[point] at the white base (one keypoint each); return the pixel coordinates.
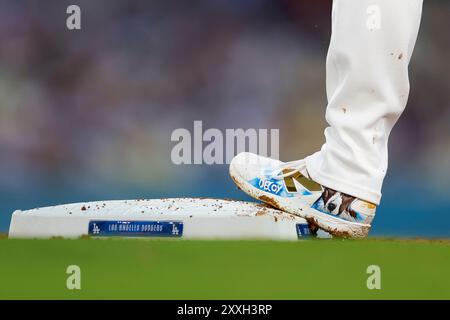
(198, 219)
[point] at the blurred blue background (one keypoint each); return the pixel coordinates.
(88, 115)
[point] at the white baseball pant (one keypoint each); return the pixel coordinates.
(367, 88)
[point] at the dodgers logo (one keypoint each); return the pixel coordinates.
(110, 228)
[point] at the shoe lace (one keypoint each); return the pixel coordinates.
(289, 169)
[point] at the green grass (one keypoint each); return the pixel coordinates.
(166, 269)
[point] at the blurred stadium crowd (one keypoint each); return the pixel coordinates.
(87, 114)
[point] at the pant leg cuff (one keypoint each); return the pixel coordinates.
(327, 180)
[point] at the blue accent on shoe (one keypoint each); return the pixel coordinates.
(276, 187)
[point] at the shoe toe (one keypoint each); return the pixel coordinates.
(249, 165)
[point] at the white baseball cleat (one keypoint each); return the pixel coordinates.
(288, 187)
